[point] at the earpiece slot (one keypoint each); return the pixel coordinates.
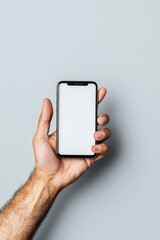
(77, 83)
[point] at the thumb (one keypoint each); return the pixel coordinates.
(45, 118)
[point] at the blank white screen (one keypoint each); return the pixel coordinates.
(77, 111)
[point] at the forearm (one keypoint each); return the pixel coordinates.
(23, 214)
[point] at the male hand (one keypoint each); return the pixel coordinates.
(63, 171)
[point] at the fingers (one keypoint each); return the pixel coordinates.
(103, 119)
(102, 134)
(101, 94)
(100, 148)
(45, 118)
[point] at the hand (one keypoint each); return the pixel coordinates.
(62, 172)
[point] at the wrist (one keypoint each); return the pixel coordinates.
(47, 181)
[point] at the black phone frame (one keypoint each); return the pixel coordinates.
(79, 83)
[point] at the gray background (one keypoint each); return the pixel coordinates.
(115, 43)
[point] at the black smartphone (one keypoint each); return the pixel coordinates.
(76, 118)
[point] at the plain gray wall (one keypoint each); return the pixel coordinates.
(117, 44)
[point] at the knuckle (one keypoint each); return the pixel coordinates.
(107, 131)
(108, 117)
(103, 119)
(104, 115)
(104, 147)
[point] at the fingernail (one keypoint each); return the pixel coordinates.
(97, 147)
(100, 134)
(104, 120)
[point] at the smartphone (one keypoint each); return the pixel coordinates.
(76, 118)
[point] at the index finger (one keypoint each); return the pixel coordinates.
(101, 94)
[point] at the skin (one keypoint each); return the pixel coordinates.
(22, 215)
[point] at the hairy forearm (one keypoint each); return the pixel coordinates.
(20, 218)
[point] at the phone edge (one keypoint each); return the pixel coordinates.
(57, 119)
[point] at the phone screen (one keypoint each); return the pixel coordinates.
(76, 118)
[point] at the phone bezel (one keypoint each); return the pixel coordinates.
(79, 83)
